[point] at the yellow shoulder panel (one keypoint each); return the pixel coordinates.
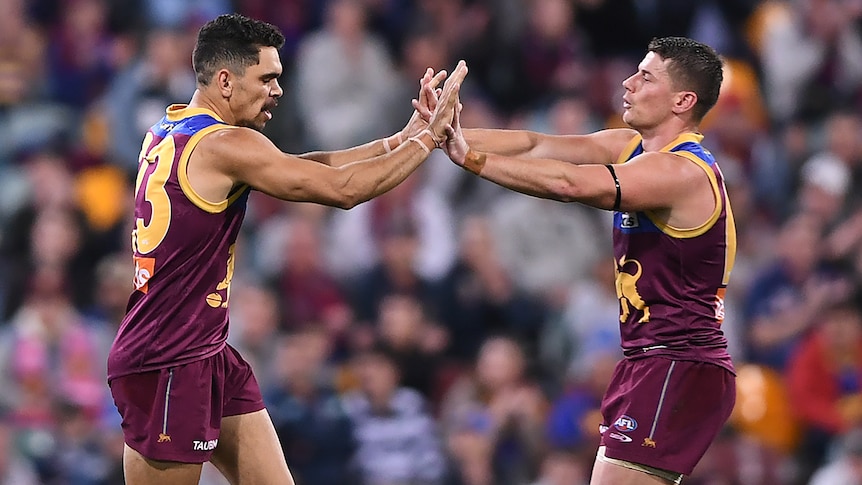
(694, 231)
(629, 149)
(183, 175)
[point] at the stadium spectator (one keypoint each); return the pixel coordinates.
(397, 438)
(499, 400)
(314, 429)
(825, 380)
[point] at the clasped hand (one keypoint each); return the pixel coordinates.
(439, 111)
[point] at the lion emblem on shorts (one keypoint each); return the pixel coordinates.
(627, 292)
(649, 443)
(164, 438)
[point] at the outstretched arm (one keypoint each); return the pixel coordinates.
(601, 147)
(650, 181)
(382, 146)
(245, 156)
(339, 158)
(249, 157)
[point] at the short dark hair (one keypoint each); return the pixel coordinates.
(694, 66)
(232, 41)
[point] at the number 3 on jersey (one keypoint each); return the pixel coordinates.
(153, 173)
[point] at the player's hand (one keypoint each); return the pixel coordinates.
(425, 104)
(444, 112)
(428, 96)
(456, 145)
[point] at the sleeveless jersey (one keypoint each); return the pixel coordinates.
(183, 250)
(671, 281)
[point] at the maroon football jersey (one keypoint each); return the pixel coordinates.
(671, 281)
(183, 250)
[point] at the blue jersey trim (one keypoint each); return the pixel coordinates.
(186, 126)
(644, 224)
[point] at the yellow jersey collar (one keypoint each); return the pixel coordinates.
(176, 112)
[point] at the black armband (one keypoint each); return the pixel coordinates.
(619, 196)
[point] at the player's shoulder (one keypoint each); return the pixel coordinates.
(615, 136)
(229, 140)
(658, 160)
(617, 141)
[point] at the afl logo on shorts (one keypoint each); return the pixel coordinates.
(626, 424)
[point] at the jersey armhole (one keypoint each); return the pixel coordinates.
(183, 175)
(631, 146)
(683, 233)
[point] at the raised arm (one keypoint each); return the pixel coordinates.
(382, 146)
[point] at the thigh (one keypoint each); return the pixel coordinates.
(249, 452)
(607, 471)
(139, 470)
(171, 415)
(664, 413)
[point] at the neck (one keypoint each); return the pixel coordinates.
(202, 99)
(654, 139)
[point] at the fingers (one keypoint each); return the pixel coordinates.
(422, 108)
(453, 84)
(457, 76)
(456, 118)
(460, 71)
(437, 79)
(444, 111)
(428, 92)
(455, 126)
(426, 103)
(431, 96)
(449, 97)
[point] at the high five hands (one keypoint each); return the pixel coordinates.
(435, 105)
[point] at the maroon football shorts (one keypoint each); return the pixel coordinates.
(665, 413)
(175, 414)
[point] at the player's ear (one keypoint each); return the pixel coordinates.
(685, 101)
(224, 82)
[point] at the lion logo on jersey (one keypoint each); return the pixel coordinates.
(627, 292)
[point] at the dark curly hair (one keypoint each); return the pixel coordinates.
(232, 41)
(694, 67)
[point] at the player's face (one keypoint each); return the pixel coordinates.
(649, 94)
(257, 91)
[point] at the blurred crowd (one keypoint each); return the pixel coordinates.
(447, 332)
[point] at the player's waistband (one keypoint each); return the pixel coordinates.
(717, 355)
(639, 351)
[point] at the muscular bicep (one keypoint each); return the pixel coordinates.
(602, 147)
(657, 181)
(248, 157)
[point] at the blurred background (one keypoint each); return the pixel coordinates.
(484, 321)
